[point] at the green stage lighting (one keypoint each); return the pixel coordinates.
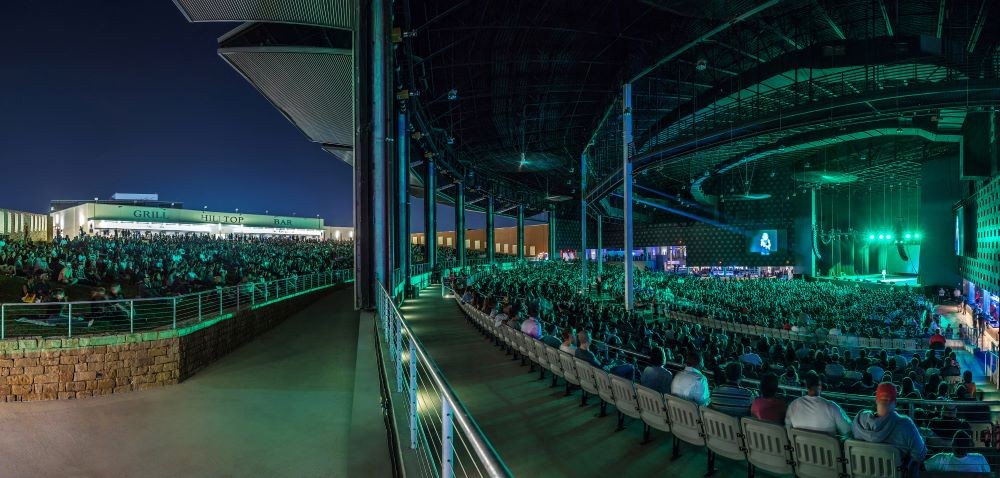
(871, 236)
(881, 236)
(888, 236)
(917, 235)
(908, 236)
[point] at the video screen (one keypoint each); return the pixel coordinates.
(765, 242)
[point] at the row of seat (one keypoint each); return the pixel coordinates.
(909, 345)
(763, 445)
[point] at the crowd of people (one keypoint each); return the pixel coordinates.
(157, 265)
(746, 375)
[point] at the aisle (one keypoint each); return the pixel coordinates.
(536, 430)
(279, 406)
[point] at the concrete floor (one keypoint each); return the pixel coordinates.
(286, 404)
(534, 428)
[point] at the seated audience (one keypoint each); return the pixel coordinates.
(656, 376)
(960, 460)
(815, 413)
(884, 425)
(690, 383)
(768, 407)
(729, 397)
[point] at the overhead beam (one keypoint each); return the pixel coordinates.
(888, 23)
(940, 22)
(977, 29)
(829, 21)
(684, 48)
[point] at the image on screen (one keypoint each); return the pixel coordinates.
(764, 242)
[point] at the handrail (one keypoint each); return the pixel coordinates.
(394, 327)
(155, 313)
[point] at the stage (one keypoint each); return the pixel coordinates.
(873, 280)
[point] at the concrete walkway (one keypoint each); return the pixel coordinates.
(282, 405)
(535, 429)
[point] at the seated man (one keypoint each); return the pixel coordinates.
(690, 383)
(815, 413)
(730, 398)
(959, 460)
(887, 426)
(945, 426)
(749, 357)
(550, 339)
(567, 343)
(530, 326)
(583, 351)
(768, 407)
(656, 376)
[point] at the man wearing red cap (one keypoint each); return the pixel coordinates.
(887, 426)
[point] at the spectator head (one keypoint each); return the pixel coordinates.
(734, 372)
(583, 338)
(961, 393)
(533, 308)
(866, 378)
(813, 383)
(967, 376)
(693, 359)
(942, 390)
(768, 385)
(885, 398)
(961, 443)
(660, 357)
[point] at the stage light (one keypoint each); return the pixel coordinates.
(888, 236)
(871, 236)
(917, 235)
(908, 236)
(881, 236)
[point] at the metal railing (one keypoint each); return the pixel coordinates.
(68, 319)
(442, 433)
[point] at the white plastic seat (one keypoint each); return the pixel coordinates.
(625, 399)
(723, 435)
(767, 446)
(685, 421)
(585, 373)
(652, 408)
(569, 369)
(816, 455)
(872, 460)
(606, 391)
(541, 355)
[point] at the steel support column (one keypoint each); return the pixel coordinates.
(430, 215)
(553, 255)
(490, 246)
(381, 189)
(460, 223)
(600, 246)
(402, 196)
(584, 280)
(627, 189)
(520, 232)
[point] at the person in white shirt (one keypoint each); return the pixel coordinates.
(959, 460)
(502, 317)
(567, 343)
(815, 413)
(690, 383)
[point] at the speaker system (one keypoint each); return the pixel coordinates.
(978, 155)
(897, 231)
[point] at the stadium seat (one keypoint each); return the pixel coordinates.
(767, 446)
(607, 392)
(569, 371)
(625, 399)
(685, 423)
(652, 410)
(555, 364)
(723, 436)
(816, 455)
(542, 357)
(588, 383)
(872, 460)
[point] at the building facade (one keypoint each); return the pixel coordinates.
(16, 224)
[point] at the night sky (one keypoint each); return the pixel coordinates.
(127, 96)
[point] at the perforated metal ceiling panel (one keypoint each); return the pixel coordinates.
(327, 13)
(312, 87)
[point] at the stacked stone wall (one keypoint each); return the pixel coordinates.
(87, 366)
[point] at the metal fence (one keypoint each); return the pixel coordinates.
(442, 434)
(68, 319)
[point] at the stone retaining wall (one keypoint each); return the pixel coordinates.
(78, 367)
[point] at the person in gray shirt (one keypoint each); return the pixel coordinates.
(656, 376)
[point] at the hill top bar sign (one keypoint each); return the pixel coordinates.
(187, 216)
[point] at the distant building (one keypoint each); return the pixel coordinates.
(152, 215)
(14, 225)
(536, 240)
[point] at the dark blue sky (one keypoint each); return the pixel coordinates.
(127, 96)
